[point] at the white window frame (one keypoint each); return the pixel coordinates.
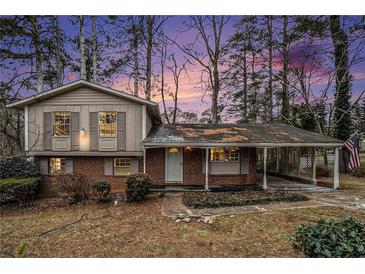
(115, 160)
(62, 166)
(54, 124)
(99, 130)
(228, 155)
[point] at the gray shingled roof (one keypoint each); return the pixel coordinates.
(238, 134)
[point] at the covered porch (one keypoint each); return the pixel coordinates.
(183, 155)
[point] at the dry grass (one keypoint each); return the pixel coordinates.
(348, 183)
(139, 230)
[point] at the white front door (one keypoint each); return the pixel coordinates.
(173, 165)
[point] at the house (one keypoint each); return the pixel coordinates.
(107, 135)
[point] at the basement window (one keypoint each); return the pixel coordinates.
(122, 166)
(57, 166)
(224, 154)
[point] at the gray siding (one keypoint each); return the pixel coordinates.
(85, 101)
(75, 131)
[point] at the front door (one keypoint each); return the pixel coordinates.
(173, 165)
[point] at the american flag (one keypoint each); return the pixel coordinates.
(352, 145)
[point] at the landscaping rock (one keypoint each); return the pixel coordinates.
(180, 216)
(178, 220)
(187, 220)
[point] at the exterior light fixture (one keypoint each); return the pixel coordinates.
(82, 131)
(173, 150)
(188, 149)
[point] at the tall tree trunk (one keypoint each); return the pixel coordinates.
(82, 49)
(94, 45)
(342, 121)
(285, 92)
(215, 94)
(135, 42)
(253, 79)
(270, 88)
(245, 105)
(57, 45)
(162, 63)
(38, 53)
(150, 22)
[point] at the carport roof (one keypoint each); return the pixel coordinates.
(254, 135)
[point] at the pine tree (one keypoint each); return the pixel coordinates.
(342, 117)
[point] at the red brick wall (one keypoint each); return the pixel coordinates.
(155, 165)
(93, 168)
(252, 166)
(193, 168)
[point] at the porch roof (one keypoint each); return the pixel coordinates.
(247, 135)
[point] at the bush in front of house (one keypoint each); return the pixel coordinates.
(101, 191)
(17, 167)
(342, 238)
(21, 190)
(138, 186)
(244, 198)
(76, 186)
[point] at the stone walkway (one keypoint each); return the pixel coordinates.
(173, 206)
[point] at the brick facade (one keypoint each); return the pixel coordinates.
(92, 167)
(193, 168)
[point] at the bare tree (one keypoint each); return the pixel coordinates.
(94, 49)
(38, 52)
(82, 49)
(176, 71)
(209, 30)
(153, 24)
(57, 46)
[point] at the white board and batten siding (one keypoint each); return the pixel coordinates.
(84, 101)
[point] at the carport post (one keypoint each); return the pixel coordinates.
(206, 169)
(264, 185)
(336, 175)
(314, 163)
(277, 159)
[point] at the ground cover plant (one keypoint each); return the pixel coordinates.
(243, 198)
(343, 238)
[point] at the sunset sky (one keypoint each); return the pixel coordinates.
(191, 94)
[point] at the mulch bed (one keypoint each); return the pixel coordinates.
(244, 198)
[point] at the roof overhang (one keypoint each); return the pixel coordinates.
(74, 85)
(258, 145)
(152, 107)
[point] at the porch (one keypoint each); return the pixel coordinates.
(228, 156)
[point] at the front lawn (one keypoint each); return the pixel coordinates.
(243, 198)
(139, 230)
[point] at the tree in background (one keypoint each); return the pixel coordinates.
(342, 118)
(209, 31)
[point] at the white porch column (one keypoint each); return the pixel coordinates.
(314, 165)
(206, 169)
(336, 175)
(26, 129)
(264, 181)
(144, 160)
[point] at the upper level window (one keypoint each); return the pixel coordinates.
(57, 165)
(224, 154)
(107, 124)
(61, 123)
